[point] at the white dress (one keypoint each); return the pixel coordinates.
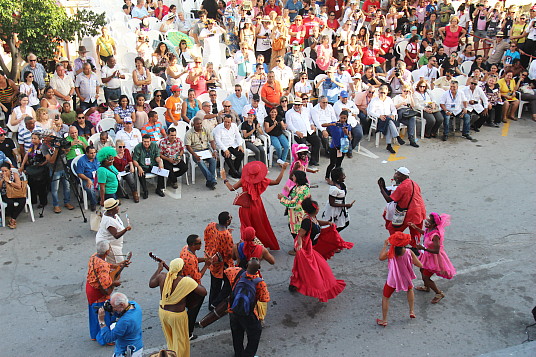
(337, 215)
(116, 255)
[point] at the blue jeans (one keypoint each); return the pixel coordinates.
(210, 171)
(55, 185)
(281, 146)
(91, 194)
(86, 105)
(357, 135)
(410, 123)
(109, 92)
(466, 122)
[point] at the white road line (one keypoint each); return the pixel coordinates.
(367, 153)
(483, 266)
(199, 339)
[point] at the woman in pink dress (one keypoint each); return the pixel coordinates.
(401, 275)
(324, 53)
(434, 258)
(300, 161)
(311, 274)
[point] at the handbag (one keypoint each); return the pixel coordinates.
(13, 192)
(242, 199)
(279, 44)
(410, 113)
(95, 220)
(37, 173)
(399, 214)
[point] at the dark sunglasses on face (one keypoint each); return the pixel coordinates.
(121, 146)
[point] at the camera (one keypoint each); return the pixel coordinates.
(59, 142)
(397, 72)
(107, 307)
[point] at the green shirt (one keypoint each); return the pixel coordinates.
(76, 149)
(68, 118)
(108, 176)
(146, 158)
(423, 61)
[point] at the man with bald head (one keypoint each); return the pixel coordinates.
(37, 70)
(228, 110)
(174, 289)
(63, 85)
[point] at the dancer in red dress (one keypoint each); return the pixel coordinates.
(252, 213)
(311, 274)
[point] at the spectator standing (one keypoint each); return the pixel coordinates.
(37, 69)
(105, 45)
(63, 85)
(111, 78)
(87, 87)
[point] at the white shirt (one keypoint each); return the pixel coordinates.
(131, 139)
(478, 96)
(64, 85)
(303, 87)
(298, 122)
(113, 83)
(283, 75)
(227, 138)
(322, 116)
(353, 110)
(104, 235)
(345, 78)
(378, 107)
(261, 112)
(454, 104)
(428, 74)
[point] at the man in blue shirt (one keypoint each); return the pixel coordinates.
(238, 100)
(294, 7)
(86, 169)
(127, 333)
(139, 11)
(330, 87)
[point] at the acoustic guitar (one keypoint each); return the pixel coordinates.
(192, 299)
(116, 273)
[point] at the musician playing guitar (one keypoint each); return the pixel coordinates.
(100, 284)
(177, 294)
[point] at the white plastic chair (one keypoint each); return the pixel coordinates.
(73, 170)
(400, 48)
(157, 82)
(128, 61)
(374, 126)
(436, 94)
(205, 97)
(134, 24)
(153, 23)
(94, 139)
(521, 104)
(27, 204)
(105, 125)
(465, 67)
(161, 111)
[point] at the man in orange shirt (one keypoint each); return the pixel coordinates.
(271, 91)
(174, 106)
(218, 242)
(191, 269)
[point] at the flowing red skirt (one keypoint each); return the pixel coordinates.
(312, 276)
(330, 241)
(255, 216)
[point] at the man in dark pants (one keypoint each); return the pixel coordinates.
(250, 323)
(146, 155)
(303, 130)
(229, 142)
(171, 153)
(191, 269)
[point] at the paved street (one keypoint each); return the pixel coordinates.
(487, 185)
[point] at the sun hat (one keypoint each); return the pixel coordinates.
(110, 204)
(302, 148)
(254, 172)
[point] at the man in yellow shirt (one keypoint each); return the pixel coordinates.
(105, 45)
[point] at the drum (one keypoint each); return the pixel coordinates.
(214, 315)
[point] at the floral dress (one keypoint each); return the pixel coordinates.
(293, 204)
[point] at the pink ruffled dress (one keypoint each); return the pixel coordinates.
(437, 263)
(401, 273)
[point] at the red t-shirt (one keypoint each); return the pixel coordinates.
(386, 43)
(268, 9)
(333, 24)
(402, 195)
(366, 6)
(296, 28)
(310, 24)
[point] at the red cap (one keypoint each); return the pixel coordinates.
(175, 88)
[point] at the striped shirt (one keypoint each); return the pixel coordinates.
(155, 131)
(25, 136)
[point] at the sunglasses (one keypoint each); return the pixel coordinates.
(473, 83)
(238, 90)
(2, 134)
(80, 117)
(227, 106)
(284, 100)
(159, 95)
(121, 146)
(33, 60)
(30, 76)
(422, 86)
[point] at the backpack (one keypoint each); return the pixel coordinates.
(244, 294)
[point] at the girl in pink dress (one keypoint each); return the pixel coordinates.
(300, 161)
(400, 276)
(434, 258)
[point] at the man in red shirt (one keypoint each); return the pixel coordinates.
(406, 196)
(369, 6)
(310, 22)
(271, 6)
(387, 43)
(191, 269)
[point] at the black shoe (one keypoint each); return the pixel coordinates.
(314, 164)
(349, 154)
(400, 141)
(175, 185)
(390, 149)
(211, 185)
(160, 193)
(92, 208)
(475, 129)
(292, 288)
(413, 143)
(495, 125)
(197, 325)
(445, 137)
(193, 337)
(145, 195)
(467, 136)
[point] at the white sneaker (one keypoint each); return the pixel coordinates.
(280, 162)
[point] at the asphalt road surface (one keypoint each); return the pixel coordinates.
(487, 185)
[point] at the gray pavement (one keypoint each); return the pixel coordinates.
(488, 186)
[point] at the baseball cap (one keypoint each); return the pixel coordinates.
(344, 94)
(413, 28)
(428, 49)
(403, 170)
(2, 131)
(175, 88)
(252, 111)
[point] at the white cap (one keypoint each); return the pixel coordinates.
(403, 170)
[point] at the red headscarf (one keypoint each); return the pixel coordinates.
(397, 239)
(250, 249)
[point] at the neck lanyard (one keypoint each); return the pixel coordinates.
(453, 98)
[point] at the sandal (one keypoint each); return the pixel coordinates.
(381, 322)
(423, 288)
(292, 252)
(412, 315)
(12, 224)
(437, 298)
